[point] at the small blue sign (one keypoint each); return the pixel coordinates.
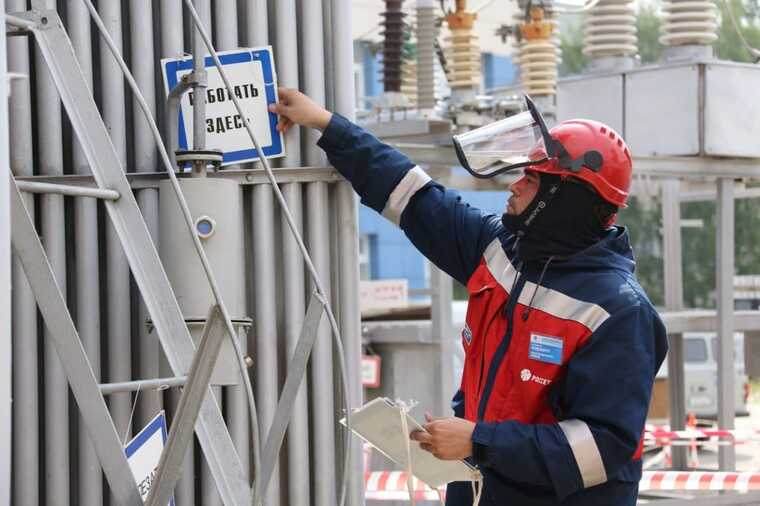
(546, 349)
(254, 83)
(144, 451)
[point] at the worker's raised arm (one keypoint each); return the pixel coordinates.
(448, 231)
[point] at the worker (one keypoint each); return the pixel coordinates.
(561, 342)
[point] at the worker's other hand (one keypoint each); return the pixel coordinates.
(446, 438)
(296, 108)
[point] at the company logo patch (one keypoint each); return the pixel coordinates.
(467, 334)
(546, 349)
(527, 375)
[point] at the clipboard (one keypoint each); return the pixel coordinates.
(379, 423)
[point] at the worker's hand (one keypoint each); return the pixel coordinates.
(446, 438)
(296, 108)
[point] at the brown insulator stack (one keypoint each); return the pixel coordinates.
(393, 44)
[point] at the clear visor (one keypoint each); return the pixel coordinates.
(501, 146)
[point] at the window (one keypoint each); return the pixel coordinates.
(738, 350)
(695, 350)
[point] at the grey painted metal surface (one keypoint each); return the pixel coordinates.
(26, 437)
(299, 487)
(730, 119)
(133, 386)
(145, 160)
(90, 486)
(6, 346)
(128, 221)
(56, 404)
(573, 100)
(724, 292)
(265, 317)
(673, 277)
(71, 191)
(65, 341)
(444, 335)
(321, 397)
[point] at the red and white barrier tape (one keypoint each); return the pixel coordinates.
(391, 485)
(698, 480)
(736, 434)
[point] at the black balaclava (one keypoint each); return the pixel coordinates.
(565, 217)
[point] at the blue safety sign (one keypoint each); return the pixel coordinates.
(143, 453)
(254, 82)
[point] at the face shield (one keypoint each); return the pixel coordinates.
(515, 142)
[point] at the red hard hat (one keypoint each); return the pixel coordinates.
(580, 136)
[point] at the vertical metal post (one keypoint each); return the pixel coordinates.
(90, 484)
(6, 348)
(172, 46)
(724, 278)
(265, 318)
(119, 313)
(26, 371)
(673, 274)
(322, 379)
(341, 77)
(440, 313)
(145, 160)
(56, 405)
(299, 486)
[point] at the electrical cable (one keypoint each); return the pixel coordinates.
(751, 50)
(304, 252)
(256, 443)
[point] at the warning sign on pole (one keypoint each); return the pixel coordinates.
(143, 453)
(254, 83)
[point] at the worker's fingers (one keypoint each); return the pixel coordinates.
(427, 447)
(421, 436)
(430, 418)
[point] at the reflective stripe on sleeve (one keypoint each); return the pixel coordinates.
(585, 451)
(399, 198)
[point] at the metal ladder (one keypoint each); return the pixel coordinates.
(197, 407)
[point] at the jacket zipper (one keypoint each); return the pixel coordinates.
(501, 351)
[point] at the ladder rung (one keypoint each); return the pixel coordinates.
(149, 384)
(71, 191)
(18, 22)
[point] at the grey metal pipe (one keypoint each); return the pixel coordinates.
(265, 319)
(142, 385)
(26, 436)
(321, 395)
(299, 487)
(256, 23)
(49, 128)
(119, 331)
(90, 483)
(286, 56)
(426, 37)
(69, 190)
(6, 338)
(312, 72)
(724, 292)
(145, 160)
(235, 403)
(172, 46)
(342, 79)
(226, 24)
(199, 69)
